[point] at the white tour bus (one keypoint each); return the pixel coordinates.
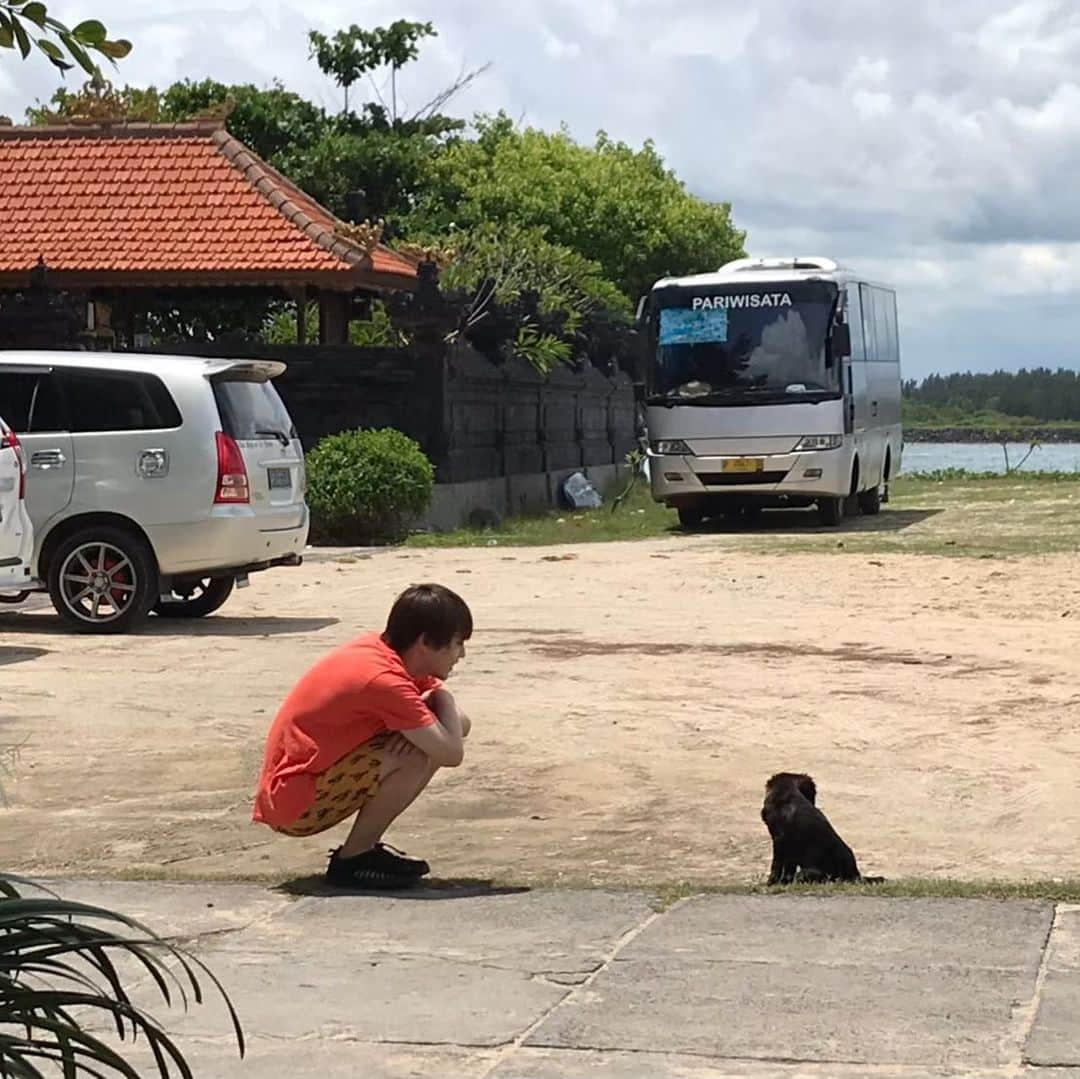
(772, 382)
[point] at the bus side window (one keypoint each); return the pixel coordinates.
(870, 323)
(885, 333)
(888, 300)
(855, 322)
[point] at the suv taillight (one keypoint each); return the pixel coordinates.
(232, 477)
(10, 440)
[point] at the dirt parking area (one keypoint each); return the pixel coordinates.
(629, 701)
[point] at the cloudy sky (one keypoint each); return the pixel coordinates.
(936, 145)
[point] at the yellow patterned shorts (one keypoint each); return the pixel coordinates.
(342, 790)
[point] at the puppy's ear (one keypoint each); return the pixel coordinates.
(807, 788)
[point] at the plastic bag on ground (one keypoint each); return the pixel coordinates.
(580, 493)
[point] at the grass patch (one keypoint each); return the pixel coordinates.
(1058, 891)
(912, 482)
(638, 517)
(663, 894)
(963, 515)
(951, 512)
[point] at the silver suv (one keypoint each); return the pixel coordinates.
(155, 483)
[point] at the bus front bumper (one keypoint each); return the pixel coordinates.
(777, 478)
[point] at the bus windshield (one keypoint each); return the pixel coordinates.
(737, 343)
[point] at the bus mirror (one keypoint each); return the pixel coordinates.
(640, 311)
(841, 341)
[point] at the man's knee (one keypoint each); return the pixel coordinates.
(466, 724)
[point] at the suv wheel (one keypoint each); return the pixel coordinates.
(195, 599)
(103, 580)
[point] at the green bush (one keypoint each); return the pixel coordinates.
(367, 487)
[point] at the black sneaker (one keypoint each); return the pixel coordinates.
(380, 867)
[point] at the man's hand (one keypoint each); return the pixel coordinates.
(443, 741)
(441, 702)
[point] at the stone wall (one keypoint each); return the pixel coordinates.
(502, 437)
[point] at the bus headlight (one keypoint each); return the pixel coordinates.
(819, 442)
(671, 447)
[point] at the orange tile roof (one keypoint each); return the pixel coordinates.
(168, 203)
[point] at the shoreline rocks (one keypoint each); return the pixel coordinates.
(992, 435)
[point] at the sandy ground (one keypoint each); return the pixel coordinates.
(628, 700)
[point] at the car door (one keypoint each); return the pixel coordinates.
(31, 402)
(125, 429)
(16, 534)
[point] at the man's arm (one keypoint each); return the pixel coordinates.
(442, 741)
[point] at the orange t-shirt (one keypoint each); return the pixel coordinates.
(357, 691)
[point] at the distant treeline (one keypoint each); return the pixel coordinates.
(1038, 395)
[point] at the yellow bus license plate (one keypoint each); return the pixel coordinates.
(743, 464)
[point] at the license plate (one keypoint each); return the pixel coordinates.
(279, 478)
(743, 464)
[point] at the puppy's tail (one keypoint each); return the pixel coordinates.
(872, 880)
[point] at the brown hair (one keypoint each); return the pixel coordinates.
(427, 610)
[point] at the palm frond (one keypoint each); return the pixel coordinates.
(60, 968)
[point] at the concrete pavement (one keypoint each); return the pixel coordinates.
(554, 984)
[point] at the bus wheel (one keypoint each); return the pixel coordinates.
(870, 501)
(853, 501)
(831, 510)
(690, 516)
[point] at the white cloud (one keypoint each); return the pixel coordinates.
(558, 49)
(936, 144)
(722, 37)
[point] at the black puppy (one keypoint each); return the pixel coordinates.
(804, 842)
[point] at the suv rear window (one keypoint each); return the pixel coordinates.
(118, 401)
(29, 401)
(252, 410)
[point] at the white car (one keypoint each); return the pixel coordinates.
(16, 532)
(154, 483)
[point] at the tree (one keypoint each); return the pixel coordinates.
(271, 120)
(292, 134)
(26, 25)
(351, 54)
(507, 260)
(521, 290)
(618, 207)
(327, 156)
(373, 150)
(133, 103)
(552, 241)
(985, 398)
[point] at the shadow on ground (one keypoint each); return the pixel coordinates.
(19, 655)
(213, 626)
(807, 522)
(430, 888)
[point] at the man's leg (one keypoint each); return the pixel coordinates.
(401, 779)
